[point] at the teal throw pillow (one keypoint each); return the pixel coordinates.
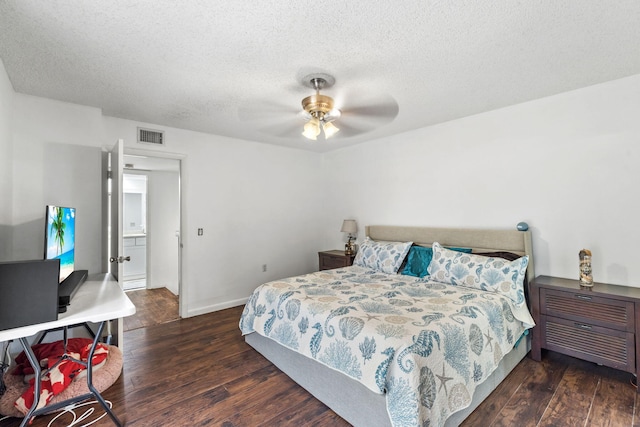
(419, 259)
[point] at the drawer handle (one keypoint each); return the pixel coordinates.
(583, 326)
(584, 297)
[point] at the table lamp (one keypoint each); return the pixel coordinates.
(349, 226)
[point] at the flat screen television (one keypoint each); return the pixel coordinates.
(60, 244)
(59, 239)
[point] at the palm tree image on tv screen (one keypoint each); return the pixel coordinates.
(60, 237)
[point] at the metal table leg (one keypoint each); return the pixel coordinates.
(37, 384)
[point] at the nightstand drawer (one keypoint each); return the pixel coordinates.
(591, 309)
(590, 342)
(328, 260)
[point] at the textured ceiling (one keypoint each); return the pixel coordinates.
(235, 68)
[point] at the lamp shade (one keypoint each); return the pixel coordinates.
(349, 226)
(329, 129)
(312, 129)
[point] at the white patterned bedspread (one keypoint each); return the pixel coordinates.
(426, 344)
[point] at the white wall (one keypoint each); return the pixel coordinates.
(164, 221)
(567, 165)
(258, 204)
(57, 161)
(6, 155)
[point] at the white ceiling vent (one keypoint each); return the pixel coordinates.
(150, 136)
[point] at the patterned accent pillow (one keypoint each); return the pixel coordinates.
(480, 272)
(382, 256)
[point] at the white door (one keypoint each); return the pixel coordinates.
(117, 249)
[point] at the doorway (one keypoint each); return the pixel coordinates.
(134, 227)
(151, 225)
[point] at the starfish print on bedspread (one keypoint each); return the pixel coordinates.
(443, 381)
(369, 316)
(489, 339)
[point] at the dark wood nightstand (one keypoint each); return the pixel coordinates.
(334, 259)
(597, 324)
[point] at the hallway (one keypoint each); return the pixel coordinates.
(153, 307)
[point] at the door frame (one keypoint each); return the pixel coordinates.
(182, 289)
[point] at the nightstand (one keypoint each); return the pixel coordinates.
(334, 259)
(597, 324)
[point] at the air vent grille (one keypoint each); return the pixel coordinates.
(150, 136)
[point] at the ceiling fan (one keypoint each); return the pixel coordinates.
(320, 110)
(349, 112)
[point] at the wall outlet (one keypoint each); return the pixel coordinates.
(200, 231)
(264, 268)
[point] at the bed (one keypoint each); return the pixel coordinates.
(383, 349)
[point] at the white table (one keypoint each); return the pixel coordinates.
(98, 300)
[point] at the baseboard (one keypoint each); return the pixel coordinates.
(216, 307)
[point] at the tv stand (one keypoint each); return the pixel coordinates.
(69, 287)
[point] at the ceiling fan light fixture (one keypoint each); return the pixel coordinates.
(330, 129)
(312, 129)
(317, 104)
(321, 110)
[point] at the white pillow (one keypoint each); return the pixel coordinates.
(480, 272)
(382, 256)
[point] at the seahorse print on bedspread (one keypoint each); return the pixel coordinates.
(340, 311)
(283, 297)
(422, 346)
(428, 318)
(268, 324)
(468, 311)
(383, 367)
(314, 344)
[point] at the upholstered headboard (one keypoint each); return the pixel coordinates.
(478, 239)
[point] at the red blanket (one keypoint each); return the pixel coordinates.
(58, 377)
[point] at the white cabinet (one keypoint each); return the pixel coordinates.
(135, 247)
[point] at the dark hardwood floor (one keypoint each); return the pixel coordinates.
(153, 306)
(199, 371)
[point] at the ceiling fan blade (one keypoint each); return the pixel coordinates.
(267, 113)
(347, 130)
(288, 129)
(370, 117)
(370, 104)
(378, 111)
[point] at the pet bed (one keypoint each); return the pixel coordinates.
(103, 377)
